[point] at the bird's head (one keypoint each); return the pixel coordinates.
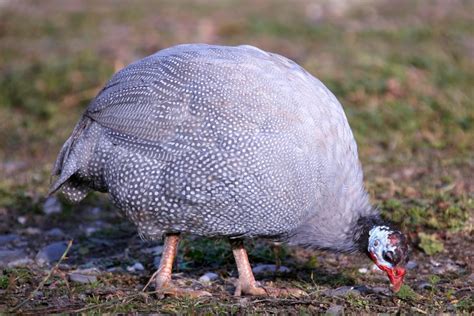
(388, 249)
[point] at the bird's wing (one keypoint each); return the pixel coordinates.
(166, 99)
(143, 103)
(152, 104)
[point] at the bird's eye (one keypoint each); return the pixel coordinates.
(376, 243)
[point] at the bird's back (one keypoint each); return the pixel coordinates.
(215, 140)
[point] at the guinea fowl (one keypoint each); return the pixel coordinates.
(230, 142)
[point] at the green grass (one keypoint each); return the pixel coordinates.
(443, 212)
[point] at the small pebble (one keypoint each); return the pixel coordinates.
(51, 253)
(264, 268)
(82, 278)
(8, 257)
(453, 267)
(363, 270)
(55, 232)
(335, 310)
(137, 266)
(52, 206)
(96, 211)
(22, 262)
(411, 265)
(82, 297)
(208, 277)
(342, 291)
(21, 220)
(157, 250)
(90, 230)
(381, 290)
(33, 231)
(424, 286)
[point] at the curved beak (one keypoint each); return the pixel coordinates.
(396, 276)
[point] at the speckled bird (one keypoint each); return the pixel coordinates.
(230, 142)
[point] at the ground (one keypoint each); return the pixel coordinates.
(403, 70)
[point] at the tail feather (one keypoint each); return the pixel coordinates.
(67, 164)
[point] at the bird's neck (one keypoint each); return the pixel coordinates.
(321, 233)
(362, 229)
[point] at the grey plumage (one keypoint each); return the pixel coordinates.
(220, 141)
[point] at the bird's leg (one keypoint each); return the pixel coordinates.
(170, 247)
(246, 283)
(163, 283)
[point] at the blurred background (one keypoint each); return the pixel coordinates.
(403, 70)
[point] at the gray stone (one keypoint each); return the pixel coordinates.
(52, 206)
(347, 290)
(363, 270)
(51, 252)
(446, 267)
(8, 238)
(82, 278)
(208, 277)
(95, 210)
(335, 310)
(11, 256)
(38, 295)
(21, 220)
(90, 230)
(55, 232)
(137, 266)
(157, 250)
(22, 262)
(453, 267)
(381, 290)
(411, 265)
(266, 268)
(424, 286)
(33, 231)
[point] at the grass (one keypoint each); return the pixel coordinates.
(430, 244)
(403, 72)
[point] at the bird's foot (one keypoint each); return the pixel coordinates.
(165, 287)
(254, 290)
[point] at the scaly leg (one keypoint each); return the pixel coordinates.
(163, 283)
(247, 284)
